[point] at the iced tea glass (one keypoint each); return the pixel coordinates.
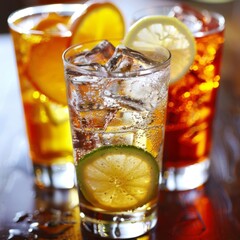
(40, 36)
(191, 103)
(117, 108)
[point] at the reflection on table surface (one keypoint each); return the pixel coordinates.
(204, 213)
(211, 212)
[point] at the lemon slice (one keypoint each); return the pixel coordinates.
(151, 33)
(96, 20)
(118, 177)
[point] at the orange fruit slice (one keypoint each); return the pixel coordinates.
(97, 20)
(45, 69)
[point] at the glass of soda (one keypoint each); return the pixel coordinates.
(117, 102)
(191, 99)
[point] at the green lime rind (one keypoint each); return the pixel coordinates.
(119, 177)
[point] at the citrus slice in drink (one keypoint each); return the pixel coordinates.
(45, 69)
(118, 178)
(96, 20)
(151, 33)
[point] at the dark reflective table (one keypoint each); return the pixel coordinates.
(208, 212)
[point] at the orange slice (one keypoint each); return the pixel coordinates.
(45, 69)
(95, 21)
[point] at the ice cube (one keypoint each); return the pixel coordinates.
(143, 93)
(135, 92)
(127, 60)
(125, 138)
(95, 59)
(78, 74)
(101, 53)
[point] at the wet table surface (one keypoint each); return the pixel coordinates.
(211, 212)
(204, 213)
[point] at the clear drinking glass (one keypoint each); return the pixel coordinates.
(191, 103)
(117, 114)
(40, 35)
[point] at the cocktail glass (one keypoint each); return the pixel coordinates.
(191, 103)
(40, 35)
(117, 101)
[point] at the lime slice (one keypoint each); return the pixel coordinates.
(151, 33)
(118, 178)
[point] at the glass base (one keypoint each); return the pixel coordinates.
(185, 178)
(59, 176)
(118, 226)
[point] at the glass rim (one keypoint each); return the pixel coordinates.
(40, 9)
(137, 73)
(215, 15)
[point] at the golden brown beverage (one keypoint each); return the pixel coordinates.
(191, 106)
(39, 40)
(38, 61)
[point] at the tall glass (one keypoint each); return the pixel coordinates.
(117, 119)
(191, 103)
(40, 35)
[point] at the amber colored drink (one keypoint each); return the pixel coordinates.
(40, 35)
(191, 106)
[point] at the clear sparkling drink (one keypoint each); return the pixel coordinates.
(117, 101)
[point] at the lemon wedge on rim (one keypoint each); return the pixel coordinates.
(118, 178)
(153, 32)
